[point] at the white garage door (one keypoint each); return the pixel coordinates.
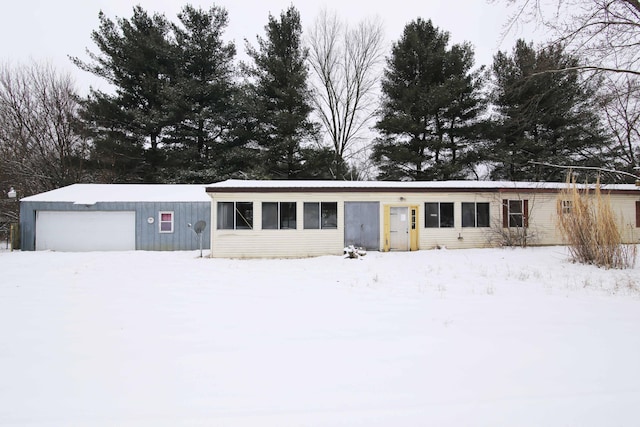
(85, 231)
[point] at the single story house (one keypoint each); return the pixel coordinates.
(104, 217)
(308, 218)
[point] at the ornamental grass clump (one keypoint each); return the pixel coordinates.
(590, 228)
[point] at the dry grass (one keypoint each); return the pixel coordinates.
(590, 228)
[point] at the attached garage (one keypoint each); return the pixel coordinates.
(85, 231)
(116, 217)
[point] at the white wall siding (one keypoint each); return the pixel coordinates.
(301, 243)
(277, 243)
(625, 210)
(259, 243)
(458, 237)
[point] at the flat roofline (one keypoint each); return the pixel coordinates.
(321, 186)
(263, 189)
(413, 190)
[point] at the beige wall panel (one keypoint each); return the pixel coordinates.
(258, 243)
(300, 243)
(277, 243)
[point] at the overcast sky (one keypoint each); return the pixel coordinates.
(46, 30)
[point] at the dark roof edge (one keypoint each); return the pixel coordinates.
(244, 190)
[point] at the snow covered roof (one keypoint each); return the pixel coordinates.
(87, 194)
(281, 185)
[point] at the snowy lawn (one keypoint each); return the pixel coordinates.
(486, 337)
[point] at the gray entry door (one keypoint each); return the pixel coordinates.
(399, 229)
(362, 225)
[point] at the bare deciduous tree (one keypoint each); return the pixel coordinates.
(605, 33)
(346, 64)
(40, 146)
(620, 104)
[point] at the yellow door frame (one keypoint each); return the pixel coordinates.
(414, 226)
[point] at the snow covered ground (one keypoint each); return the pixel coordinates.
(486, 337)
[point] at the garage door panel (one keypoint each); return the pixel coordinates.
(85, 231)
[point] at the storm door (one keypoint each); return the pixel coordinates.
(399, 228)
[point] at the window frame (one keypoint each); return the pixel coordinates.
(162, 222)
(279, 216)
(276, 220)
(248, 222)
(319, 222)
(509, 217)
(288, 218)
(516, 216)
(234, 215)
(440, 206)
(476, 214)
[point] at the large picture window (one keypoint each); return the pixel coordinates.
(475, 214)
(438, 215)
(320, 215)
(235, 216)
(279, 215)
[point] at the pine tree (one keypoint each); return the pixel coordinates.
(203, 96)
(544, 116)
(431, 102)
(279, 99)
(136, 57)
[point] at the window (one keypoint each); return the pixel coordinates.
(269, 216)
(414, 218)
(287, 215)
(320, 215)
(166, 222)
(438, 215)
(567, 206)
(637, 213)
(278, 215)
(475, 214)
(515, 213)
(235, 216)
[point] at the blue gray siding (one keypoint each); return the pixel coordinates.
(148, 237)
(362, 225)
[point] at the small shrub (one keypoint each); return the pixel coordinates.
(498, 236)
(589, 226)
